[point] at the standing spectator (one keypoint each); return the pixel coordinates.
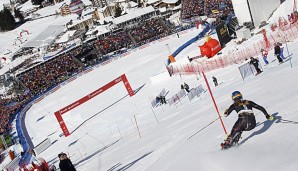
(289, 18)
(281, 50)
(277, 52)
(215, 81)
(255, 63)
(157, 99)
(65, 163)
(264, 55)
(186, 87)
(163, 99)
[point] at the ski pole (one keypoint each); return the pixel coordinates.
(202, 128)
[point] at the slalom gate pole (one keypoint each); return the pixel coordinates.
(291, 62)
(118, 127)
(137, 126)
(287, 45)
(214, 103)
(154, 115)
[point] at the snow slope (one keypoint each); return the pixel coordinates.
(110, 140)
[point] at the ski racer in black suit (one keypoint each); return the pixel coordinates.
(246, 119)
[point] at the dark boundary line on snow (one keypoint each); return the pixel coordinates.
(25, 132)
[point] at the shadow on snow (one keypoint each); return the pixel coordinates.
(266, 125)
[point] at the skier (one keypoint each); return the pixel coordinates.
(277, 51)
(215, 81)
(246, 119)
(264, 55)
(255, 63)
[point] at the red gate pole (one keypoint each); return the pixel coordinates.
(214, 103)
(127, 85)
(62, 124)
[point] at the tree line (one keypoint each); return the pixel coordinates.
(7, 19)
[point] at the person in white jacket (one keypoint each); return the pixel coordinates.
(264, 55)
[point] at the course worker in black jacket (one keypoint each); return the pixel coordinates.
(65, 163)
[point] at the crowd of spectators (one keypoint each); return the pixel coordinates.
(218, 8)
(49, 74)
(8, 106)
(143, 32)
(210, 8)
(148, 30)
(36, 81)
(191, 8)
(113, 42)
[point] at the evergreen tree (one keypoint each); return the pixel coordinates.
(140, 4)
(7, 21)
(37, 2)
(19, 15)
(118, 11)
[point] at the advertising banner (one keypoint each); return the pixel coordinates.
(222, 33)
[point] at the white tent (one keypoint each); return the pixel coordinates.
(66, 36)
(260, 10)
(46, 37)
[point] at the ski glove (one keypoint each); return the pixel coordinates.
(269, 117)
(226, 113)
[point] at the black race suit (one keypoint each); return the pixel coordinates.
(246, 120)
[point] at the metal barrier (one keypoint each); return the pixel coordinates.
(42, 146)
(195, 92)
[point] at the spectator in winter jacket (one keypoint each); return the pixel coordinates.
(264, 55)
(186, 87)
(281, 50)
(163, 100)
(277, 52)
(65, 163)
(255, 63)
(215, 81)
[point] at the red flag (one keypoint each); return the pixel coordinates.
(4, 58)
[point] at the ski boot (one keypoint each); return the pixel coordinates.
(226, 144)
(236, 138)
